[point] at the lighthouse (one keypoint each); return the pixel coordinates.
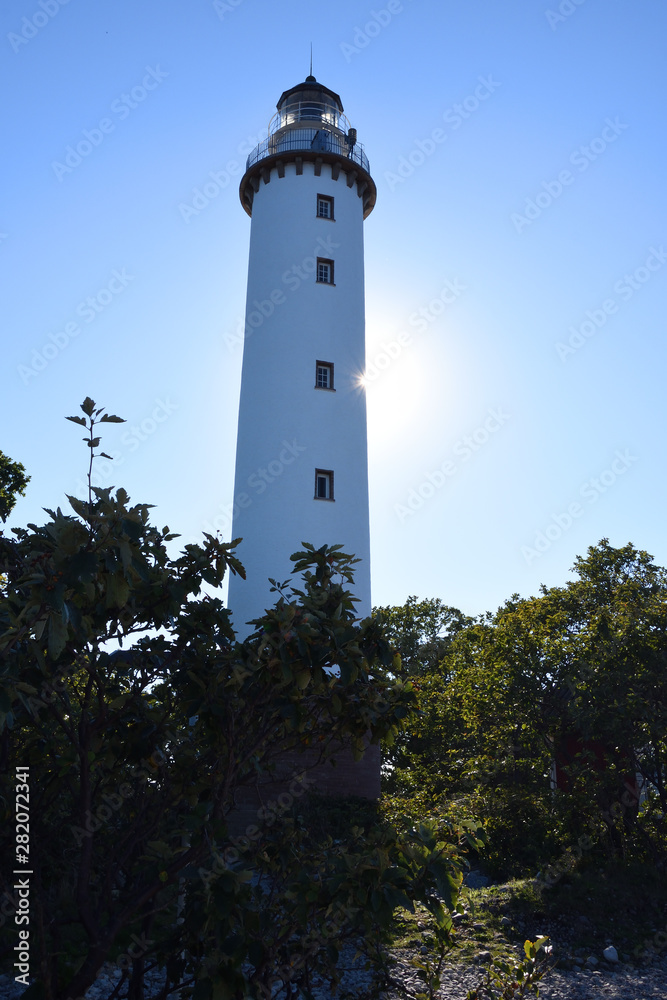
(301, 459)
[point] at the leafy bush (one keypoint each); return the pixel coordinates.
(134, 718)
(576, 676)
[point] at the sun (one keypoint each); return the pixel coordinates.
(360, 381)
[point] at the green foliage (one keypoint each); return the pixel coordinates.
(626, 899)
(137, 718)
(13, 482)
(95, 416)
(140, 718)
(421, 631)
(509, 980)
(425, 754)
(334, 817)
(583, 666)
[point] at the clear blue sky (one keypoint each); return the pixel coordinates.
(519, 156)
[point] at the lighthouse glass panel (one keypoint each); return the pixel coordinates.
(323, 375)
(324, 271)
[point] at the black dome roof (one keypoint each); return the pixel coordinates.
(313, 88)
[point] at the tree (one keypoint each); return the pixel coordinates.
(421, 631)
(423, 754)
(13, 482)
(616, 682)
(130, 718)
(134, 717)
(580, 668)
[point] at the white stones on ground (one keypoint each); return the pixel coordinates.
(591, 961)
(610, 954)
(475, 880)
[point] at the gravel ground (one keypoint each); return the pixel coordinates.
(621, 983)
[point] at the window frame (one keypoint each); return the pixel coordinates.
(330, 264)
(329, 476)
(330, 366)
(330, 202)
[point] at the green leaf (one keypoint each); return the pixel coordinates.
(111, 418)
(125, 554)
(77, 420)
(118, 591)
(6, 720)
(38, 628)
(160, 848)
(82, 566)
(88, 406)
(79, 507)
(57, 636)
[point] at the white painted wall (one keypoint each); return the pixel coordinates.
(286, 426)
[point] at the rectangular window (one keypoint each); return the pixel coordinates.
(325, 207)
(325, 271)
(324, 375)
(324, 484)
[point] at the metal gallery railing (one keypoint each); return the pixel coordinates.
(308, 138)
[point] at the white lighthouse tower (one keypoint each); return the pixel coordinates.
(301, 459)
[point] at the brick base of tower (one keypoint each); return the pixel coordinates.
(298, 773)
